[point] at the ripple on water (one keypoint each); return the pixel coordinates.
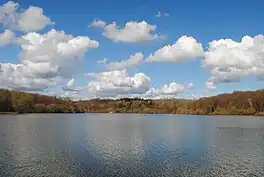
(74, 147)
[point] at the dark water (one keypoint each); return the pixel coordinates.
(131, 145)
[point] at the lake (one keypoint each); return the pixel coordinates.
(131, 145)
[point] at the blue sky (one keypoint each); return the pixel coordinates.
(203, 20)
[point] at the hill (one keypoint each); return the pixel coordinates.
(236, 103)
(21, 102)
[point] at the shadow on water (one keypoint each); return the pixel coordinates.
(131, 145)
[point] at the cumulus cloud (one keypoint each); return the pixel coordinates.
(7, 37)
(45, 58)
(28, 20)
(190, 85)
(132, 61)
(18, 76)
(160, 14)
(185, 48)
(210, 85)
(229, 61)
(97, 23)
(54, 53)
(118, 82)
(132, 32)
(69, 87)
(167, 91)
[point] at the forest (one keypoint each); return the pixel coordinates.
(22, 102)
(236, 103)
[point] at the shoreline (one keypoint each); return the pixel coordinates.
(16, 113)
(8, 113)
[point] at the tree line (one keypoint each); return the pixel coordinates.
(21, 102)
(236, 103)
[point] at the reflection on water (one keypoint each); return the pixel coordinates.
(131, 145)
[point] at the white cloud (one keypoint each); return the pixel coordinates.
(45, 59)
(8, 14)
(132, 61)
(104, 61)
(28, 20)
(160, 14)
(97, 23)
(132, 32)
(69, 87)
(211, 85)
(194, 96)
(166, 91)
(190, 85)
(18, 76)
(73, 95)
(166, 14)
(229, 61)
(118, 84)
(33, 19)
(114, 83)
(70, 83)
(54, 53)
(7, 37)
(185, 48)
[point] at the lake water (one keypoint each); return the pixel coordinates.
(91, 145)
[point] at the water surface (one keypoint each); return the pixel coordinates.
(131, 145)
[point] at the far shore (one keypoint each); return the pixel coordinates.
(16, 113)
(8, 113)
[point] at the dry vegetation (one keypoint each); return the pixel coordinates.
(236, 103)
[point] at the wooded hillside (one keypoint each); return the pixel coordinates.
(21, 102)
(236, 103)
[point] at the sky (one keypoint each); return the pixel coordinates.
(113, 49)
